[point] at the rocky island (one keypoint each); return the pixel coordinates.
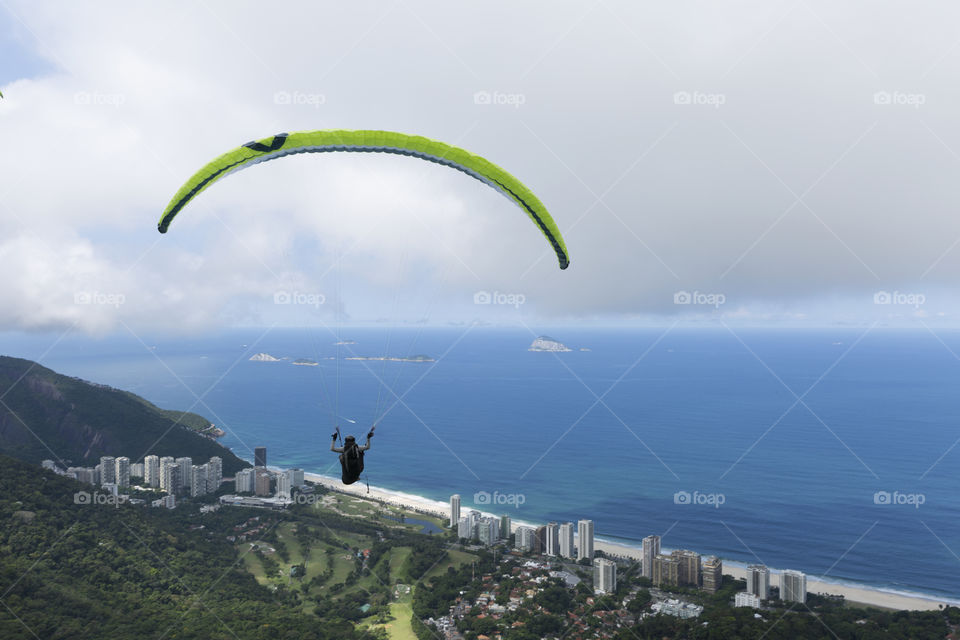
(417, 358)
(263, 357)
(546, 343)
(304, 362)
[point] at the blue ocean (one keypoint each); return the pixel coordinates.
(834, 452)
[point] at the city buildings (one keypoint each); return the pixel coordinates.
(651, 549)
(551, 545)
(746, 599)
(108, 470)
(666, 570)
(793, 586)
(260, 457)
(525, 537)
(688, 567)
(215, 474)
(198, 480)
(296, 477)
(604, 576)
(261, 482)
(283, 486)
(151, 471)
(567, 549)
(585, 539)
(454, 510)
(464, 528)
(712, 574)
(244, 481)
(185, 463)
(758, 581)
(170, 479)
(122, 471)
(505, 527)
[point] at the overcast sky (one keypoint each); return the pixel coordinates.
(781, 163)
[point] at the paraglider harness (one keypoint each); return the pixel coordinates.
(351, 461)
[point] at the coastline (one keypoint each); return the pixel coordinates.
(853, 593)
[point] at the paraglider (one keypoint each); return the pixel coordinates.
(284, 144)
(351, 455)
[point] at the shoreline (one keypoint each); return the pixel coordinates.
(864, 595)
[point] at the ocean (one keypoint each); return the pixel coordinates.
(830, 451)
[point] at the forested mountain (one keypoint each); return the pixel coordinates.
(44, 414)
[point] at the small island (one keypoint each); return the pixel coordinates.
(304, 362)
(263, 357)
(343, 342)
(546, 343)
(417, 358)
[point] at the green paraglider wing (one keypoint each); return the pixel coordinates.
(284, 144)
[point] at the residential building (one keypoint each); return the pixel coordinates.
(551, 545)
(712, 574)
(689, 567)
(171, 479)
(505, 529)
(651, 549)
(261, 482)
(758, 581)
(604, 576)
(567, 549)
(585, 539)
(185, 463)
(464, 528)
(260, 457)
(793, 586)
(455, 510)
(214, 474)
(108, 470)
(746, 599)
(283, 486)
(244, 481)
(296, 478)
(151, 471)
(525, 538)
(666, 570)
(198, 480)
(122, 471)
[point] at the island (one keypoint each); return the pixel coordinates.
(546, 343)
(343, 342)
(417, 358)
(263, 357)
(304, 362)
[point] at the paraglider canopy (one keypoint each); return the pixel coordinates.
(284, 144)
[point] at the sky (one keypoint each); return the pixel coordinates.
(751, 163)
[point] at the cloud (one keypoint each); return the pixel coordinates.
(729, 152)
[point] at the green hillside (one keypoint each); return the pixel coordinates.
(44, 414)
(104, 571)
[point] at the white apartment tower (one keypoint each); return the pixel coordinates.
(585, 539)
(455, 510)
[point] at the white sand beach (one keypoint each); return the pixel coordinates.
(852, 593)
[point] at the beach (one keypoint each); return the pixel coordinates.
(852, 593)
